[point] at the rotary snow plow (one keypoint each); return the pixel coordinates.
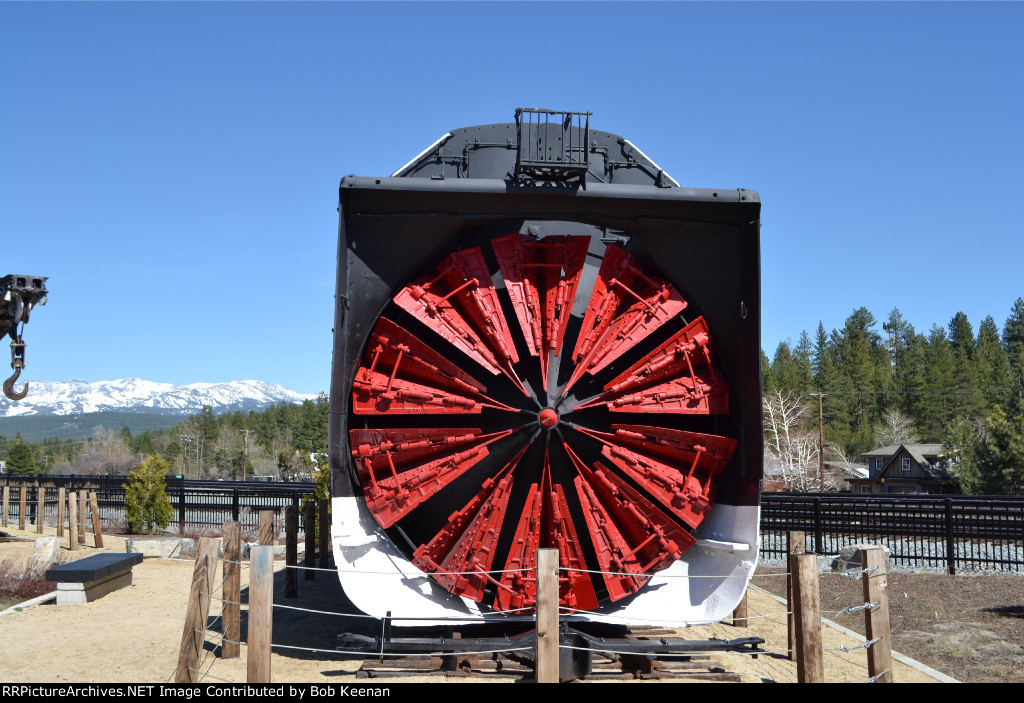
(543, 341)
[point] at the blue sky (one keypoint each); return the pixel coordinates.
(173, 167)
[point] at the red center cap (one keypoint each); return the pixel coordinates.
(548, 418)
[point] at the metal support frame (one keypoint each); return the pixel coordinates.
(576, 648)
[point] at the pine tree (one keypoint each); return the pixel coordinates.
(861, 356)
(311, 430)
(767, 382)
(936, 411)
(146, 504)
(836, 387)
(20, 458)
(783, 369)
(1002, 452)
(906, 353)
(992, 366)
(818, 356)
(960, 445)
(965, 399)
(802, 357)
(1013, 342)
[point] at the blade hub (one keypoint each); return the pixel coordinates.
(548, 418)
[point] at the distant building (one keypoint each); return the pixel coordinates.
(903, 469)
(845, 472)
(838, 476)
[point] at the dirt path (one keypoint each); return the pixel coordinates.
(132, 635)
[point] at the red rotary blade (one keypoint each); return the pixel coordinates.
(541, 279)
(462, 552)
(625, 308)
(675, 466)
(461, 304)
(677, 377)
(401, 468)
(545, 523)
(402, 375)
(633, 538)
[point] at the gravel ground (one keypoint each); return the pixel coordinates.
(971, 627)
(966, 626)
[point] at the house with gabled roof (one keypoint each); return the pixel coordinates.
(905, 468)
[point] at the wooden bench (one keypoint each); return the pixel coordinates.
(81, 581)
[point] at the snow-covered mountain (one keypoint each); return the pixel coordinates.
(135, 395)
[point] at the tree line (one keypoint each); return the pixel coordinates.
(287, 441)
(891, 384)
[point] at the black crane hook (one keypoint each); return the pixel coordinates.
(9, 386)
(17, 363)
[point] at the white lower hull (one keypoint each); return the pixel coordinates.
(704, 586)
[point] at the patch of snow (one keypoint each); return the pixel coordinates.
(138, 395)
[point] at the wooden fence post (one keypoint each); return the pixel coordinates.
(291, 551)
(810, 667)
(547, 616)
(40, 508)
(83, 510)
(97, 528)
(60, 511)
(794, 545)
(22, 502)
(325, 531)
(310, 556)
(232, 590)
(261, 613)
(7, 503)
(192, 634)
(73, 521)
(266, 529)
(876, 619)
(739, 615)
(208, 547)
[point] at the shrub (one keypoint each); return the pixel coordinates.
(20, 580)
(146, 504)
(322, 476)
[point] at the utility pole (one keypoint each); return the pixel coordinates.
(245, 452)
(184, 452)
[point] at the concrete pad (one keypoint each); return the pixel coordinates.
(164, 547)
(77, 593)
